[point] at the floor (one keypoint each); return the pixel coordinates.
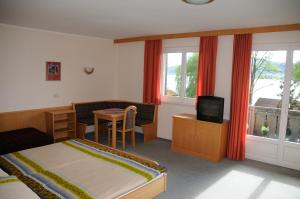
(193, 178)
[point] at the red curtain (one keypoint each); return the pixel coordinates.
(207, 65)
(239, 96)
(152, 65)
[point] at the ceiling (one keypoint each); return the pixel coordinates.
(127, 18)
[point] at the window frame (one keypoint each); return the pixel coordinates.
(181, 99)
(289, 48)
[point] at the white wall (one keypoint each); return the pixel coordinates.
(277, 38)
(23, 54)
(131, 61)
(130, 71)
(223, 71)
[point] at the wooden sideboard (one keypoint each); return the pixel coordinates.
(200, 138)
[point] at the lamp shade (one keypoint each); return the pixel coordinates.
(197, 2)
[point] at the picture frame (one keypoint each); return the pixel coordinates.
(53, 71)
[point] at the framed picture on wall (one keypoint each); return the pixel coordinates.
(53, 71)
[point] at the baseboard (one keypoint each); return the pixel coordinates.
(164, 139)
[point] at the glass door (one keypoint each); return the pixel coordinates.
(292, 133)
(266, 91)
(273, 133)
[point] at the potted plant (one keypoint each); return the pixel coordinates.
(264, 130)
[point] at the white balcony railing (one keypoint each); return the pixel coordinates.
(264, 121)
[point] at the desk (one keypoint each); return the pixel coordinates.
(113, 115)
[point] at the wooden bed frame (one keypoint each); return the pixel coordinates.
(148, 191)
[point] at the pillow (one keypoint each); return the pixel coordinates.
(2, 173)
(11, 188)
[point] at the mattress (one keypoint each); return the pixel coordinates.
(80, 169)
(2, 173)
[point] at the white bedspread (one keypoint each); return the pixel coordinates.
(97, 173)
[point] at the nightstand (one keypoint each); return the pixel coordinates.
(61, 124)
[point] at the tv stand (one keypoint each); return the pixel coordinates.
(207, 140)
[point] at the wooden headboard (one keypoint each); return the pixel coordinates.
(26, 118)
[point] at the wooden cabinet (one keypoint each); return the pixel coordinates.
(200, 138)
(61, 124)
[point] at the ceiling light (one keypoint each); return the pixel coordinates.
(197, 2)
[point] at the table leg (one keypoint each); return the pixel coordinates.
(114, 133)
(96, 128)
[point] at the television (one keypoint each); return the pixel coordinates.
(210, 108)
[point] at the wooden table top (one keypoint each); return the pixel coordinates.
(111, 112)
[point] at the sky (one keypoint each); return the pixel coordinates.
(296, 56)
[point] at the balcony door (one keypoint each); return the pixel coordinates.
(273, 133)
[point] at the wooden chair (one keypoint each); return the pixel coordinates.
(128, 125)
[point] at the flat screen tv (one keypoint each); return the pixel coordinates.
(210, 108)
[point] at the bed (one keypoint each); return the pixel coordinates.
(85, 169)
(21, 139)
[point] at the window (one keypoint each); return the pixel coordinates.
(265, 96)
(274, 97)
(180, 74)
